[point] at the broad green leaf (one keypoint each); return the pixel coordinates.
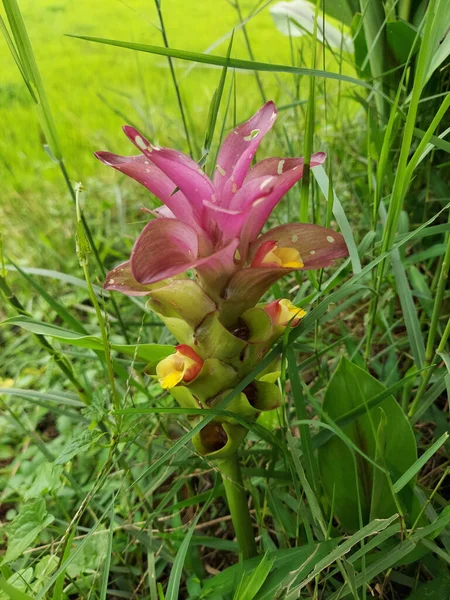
(436, 589)
(46, 479)
(441, 41)
(14, 588)
(351, 388)
(360, 47)
(144, 352)
(79, 443)
(24, 529)
(400, 38)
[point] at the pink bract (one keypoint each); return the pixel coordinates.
(213, 226)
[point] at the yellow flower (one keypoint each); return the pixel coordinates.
(184, 365)
(271, 255)
(283, 312)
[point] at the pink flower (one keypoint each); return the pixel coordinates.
(213, 226)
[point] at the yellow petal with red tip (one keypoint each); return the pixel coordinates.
(183, 365)
(289, 313)
(170, 371)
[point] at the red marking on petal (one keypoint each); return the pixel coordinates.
(273, 309)
(261, 253)
(193, 370)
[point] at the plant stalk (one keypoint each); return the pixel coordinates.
(237, 503)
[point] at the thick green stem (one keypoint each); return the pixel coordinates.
(237, 503)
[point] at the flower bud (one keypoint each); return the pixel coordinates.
(184, 365)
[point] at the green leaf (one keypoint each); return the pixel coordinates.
(374, 527)
(222, 61)
(12, 591)
(340, 216)
(79, 443)
(144, 352)
(360, 47)
(351, 388)
(46, 479)
(24, 529)
(301, 560)
(437, 589)
(441, 45)
(250, 585)
(415, 468)
(400, 38)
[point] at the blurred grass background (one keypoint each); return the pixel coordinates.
(94, 89)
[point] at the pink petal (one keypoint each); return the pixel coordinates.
(272, 166)
(120, 279)
(162, 212)
(215, 270)
(142, 170)
(179, 168)
(318, 246)
(230, 221)
(166, 247)
(238, 150)
(288, 172)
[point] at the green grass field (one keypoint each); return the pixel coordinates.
(94, 89)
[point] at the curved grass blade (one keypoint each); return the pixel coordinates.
(145, 352)
(235, 63)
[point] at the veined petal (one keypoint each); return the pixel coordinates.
(224, 224)
(246, 288)
(281, 175)
(215, 270)
(142, 170)
(120, 279)
(166, 247)
(180, 169)
(237, 152)
(317, 246)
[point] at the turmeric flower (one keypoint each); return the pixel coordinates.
(214, 226)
